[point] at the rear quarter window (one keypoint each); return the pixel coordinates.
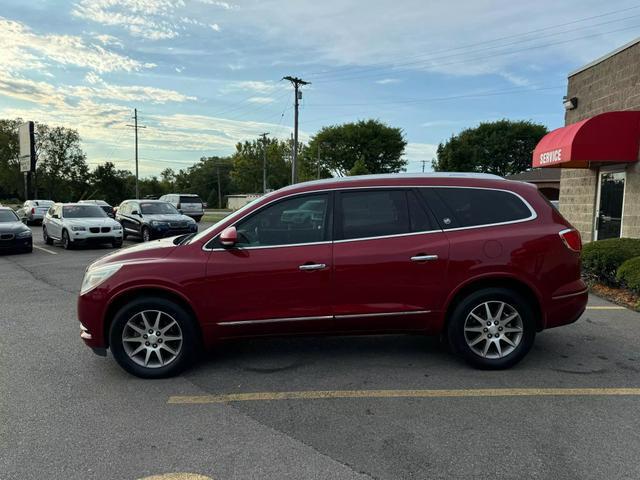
(471, 207)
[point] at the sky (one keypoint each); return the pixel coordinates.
(206, 74)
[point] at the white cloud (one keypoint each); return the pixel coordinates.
(415, 153)
(256, 86)
(387, 81)
(151, 19)
(127, 93)
(261, 100)
(23, 49)
(215, 27)
(216, 3)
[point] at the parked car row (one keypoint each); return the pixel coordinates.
(95, 221)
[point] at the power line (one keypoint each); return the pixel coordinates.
(296, 82)
(136, 127)
(476, 44)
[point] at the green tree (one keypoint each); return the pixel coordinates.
(359, 168)
(111, 184)
(10, 177)
(502, 148)
(376, 145)
(62, 171)
(246, 173)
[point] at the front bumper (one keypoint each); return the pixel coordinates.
(86, 236)
(162, 231)
(16, 243)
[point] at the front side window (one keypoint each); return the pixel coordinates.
(372, 213)
(297, 220)
(470, 207)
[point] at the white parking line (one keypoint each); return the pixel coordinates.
(45, 250)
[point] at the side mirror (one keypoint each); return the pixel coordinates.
(55, 215)
(24, 220)
(229, 237)
(135, 212)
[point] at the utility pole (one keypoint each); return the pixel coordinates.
(219, 188)
(424, 162)
(135, 128)
(318, 160)
(264, 161)
(296, 82)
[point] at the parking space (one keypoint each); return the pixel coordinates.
(386, 407)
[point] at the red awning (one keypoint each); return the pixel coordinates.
(611, 137)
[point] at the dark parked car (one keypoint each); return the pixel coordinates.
(484, 262)
(151, 219)
(108, 209)
(14, 234)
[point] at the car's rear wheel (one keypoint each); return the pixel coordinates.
(492, 328)
(66, 241)
(153, 338)
(47, 239)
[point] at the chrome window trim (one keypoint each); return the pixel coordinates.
(322, 317)
(533, 215)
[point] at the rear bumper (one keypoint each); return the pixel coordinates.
(567, 306)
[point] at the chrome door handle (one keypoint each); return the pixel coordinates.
(424, 258)
(312, 266)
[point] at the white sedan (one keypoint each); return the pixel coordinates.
(79, 224)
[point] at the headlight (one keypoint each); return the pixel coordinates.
(156, 223)
(24, 234)
(95, 276)
(77, 228)
(117, 227)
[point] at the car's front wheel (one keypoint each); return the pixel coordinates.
(153, 338)
(146, 234)
(492, 328)
(47, 239)
(66, 241)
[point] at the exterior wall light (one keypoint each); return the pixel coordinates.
(570, 103)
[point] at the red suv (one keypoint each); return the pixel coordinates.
(480, 260)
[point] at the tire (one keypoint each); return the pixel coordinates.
(124, 234)
(469, 334)
(116, 243)
(66, 241)
(145, 234)
(186, 349)
(28, 249)
(197, 219)
(47, 239)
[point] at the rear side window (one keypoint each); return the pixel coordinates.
(373, 213)
(471, 207)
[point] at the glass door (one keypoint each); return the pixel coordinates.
(610, 200)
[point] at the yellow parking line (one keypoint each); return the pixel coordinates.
(45, 250)
(330, 394)
(605, 307)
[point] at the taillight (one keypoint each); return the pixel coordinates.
(33, 210)
(571, 239)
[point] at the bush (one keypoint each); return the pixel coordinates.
(629, 274)
(601, 259)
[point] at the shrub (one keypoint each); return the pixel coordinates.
(601, 259)
(629, 274)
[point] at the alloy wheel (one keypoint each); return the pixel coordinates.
(493, 329)
(152, 338)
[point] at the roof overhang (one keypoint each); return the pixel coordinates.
(611, 137)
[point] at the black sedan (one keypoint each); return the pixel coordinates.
(14, 235)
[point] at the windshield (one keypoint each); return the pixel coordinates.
(157, 208)
(83, 211)
(8, 216)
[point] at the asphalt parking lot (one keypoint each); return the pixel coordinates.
(387, 407)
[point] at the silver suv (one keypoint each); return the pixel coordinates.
(78, 224)
(188, 204)
(33, 211)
